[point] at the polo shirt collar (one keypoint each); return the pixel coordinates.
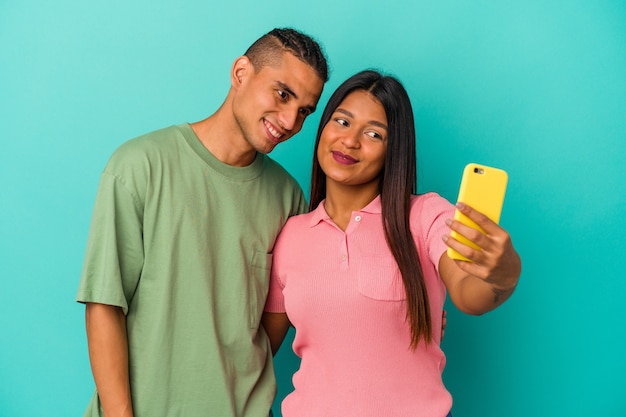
(319, 214)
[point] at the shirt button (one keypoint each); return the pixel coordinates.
(357, 218)
(344, 257)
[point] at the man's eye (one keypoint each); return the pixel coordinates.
(283, 95)
(305, 112)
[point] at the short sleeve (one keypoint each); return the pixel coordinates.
(429, 213)
(275, 302)
(114, 254)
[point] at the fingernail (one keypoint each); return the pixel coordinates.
(449, 222)
(460, 205)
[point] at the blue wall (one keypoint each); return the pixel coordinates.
(535, 87)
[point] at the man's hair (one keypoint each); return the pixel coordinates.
(268, 50)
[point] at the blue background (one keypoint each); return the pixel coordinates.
(535, 87)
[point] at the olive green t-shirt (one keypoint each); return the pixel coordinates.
(182, 242)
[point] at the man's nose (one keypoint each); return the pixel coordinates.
(288, 118)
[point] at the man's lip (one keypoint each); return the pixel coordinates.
(273, 133)
(342, 158)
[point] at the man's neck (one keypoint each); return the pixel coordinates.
(224, 141)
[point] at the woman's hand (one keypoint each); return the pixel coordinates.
(495, 264)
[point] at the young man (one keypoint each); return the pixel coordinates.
(177, 262)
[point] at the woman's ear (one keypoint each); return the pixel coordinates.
(241, 68)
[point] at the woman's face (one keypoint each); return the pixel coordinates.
(353, 143)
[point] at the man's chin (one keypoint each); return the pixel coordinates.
(266, 149)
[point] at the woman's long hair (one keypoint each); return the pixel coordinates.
(397, 183)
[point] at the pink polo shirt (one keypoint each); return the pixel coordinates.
(344, 295)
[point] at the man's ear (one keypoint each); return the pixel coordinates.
(242, 67)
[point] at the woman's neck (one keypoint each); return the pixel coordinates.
(342, 200)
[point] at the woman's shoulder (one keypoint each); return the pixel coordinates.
(429, 200)
(426, 208)
(297, 223)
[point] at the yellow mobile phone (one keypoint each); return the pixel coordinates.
(482, 188)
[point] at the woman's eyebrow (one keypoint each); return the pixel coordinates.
(372, 122)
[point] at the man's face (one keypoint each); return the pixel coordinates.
(271, 105)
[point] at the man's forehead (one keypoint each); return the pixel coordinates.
(296, 76)
(287, 62)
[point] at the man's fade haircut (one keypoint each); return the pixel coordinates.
(268, 49)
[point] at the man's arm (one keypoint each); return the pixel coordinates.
(108, 353)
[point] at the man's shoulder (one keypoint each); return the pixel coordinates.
(281, 187)
(151, 140)
(277, 171)
(147, 145)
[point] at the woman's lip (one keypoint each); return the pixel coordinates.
(343, 158)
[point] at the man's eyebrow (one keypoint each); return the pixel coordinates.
(285, 87)
(372, 122)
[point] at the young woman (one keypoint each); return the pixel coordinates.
(363, 276)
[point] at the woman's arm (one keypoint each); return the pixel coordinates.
(490, 278)
(108, 353)
(276, 326)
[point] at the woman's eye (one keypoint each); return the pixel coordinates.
(374, 135)
(342, 122)
(283, 95)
